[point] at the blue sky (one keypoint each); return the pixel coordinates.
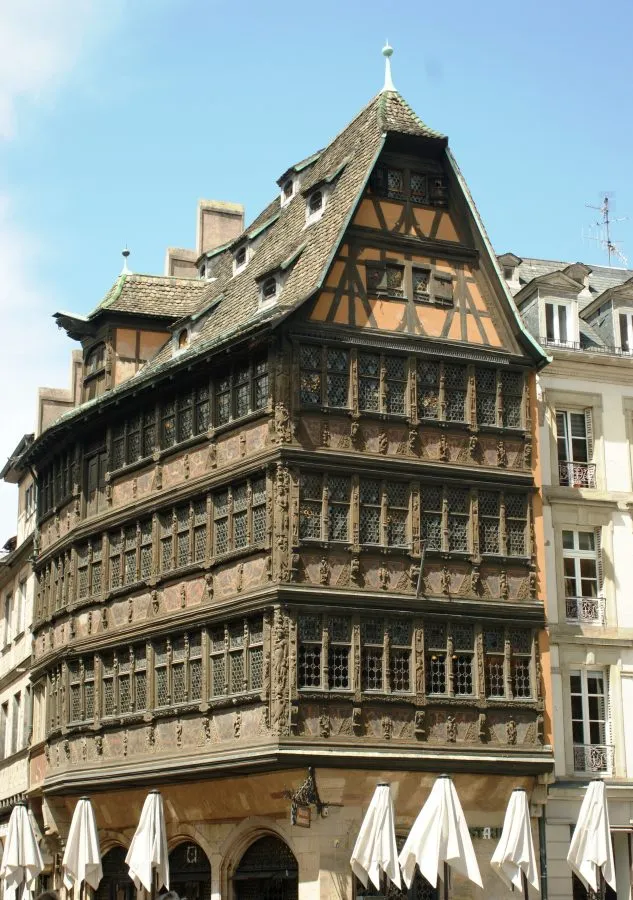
(117, 115)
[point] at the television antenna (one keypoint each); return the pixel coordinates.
(603, 237)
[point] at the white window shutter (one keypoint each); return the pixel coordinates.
(608, 735)
(589, 432)
(599, 560)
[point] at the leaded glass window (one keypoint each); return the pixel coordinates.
(372, 655)
(397, 494)
(338, 491)
(166, 524)
(382, 385)
(239, 515)
(324, 376)
(486, 392)
(385, 278)
(369, 381)
(455, 392)
(339, 652)
(81, 683)
(236, 657)
(114, 543)
(462, 661)
(436, 655)
(242, 390)
(520, 640)
(494, 663)
(516, 523)
(489, 522)
(311, 374)
(386, 655)
(221, 521)
(458, 503)
(370, 511)
(432, 514)
(428, 385)
(309, 674)
(512, 399)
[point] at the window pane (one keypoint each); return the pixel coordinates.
(549, 322)
(568, 540)
(586, 540)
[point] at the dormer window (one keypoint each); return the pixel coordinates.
(508, 273)
(240, 259)
(269, 289)
(558, 323)
(203, 271)
(183, 339)
(287, 191)
(625, 330)
(315, 206)
(94, 372)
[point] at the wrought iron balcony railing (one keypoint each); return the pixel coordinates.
(608, 349)
(587, 610)
(597, 758)
(577, 474)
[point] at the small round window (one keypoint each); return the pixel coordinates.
(183, 339)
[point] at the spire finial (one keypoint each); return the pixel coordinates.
(125, 254)
(387, 52)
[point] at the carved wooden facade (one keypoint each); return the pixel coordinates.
(328, 542)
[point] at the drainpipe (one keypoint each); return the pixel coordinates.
(542, 854)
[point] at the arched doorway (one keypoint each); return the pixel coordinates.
(116, 883)
(190, 872)
(268, 870)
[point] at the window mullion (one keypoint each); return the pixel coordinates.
(503, 548)
(450, 675)
(325, 516)
(386, 650)
(445, 529)
(325, 657)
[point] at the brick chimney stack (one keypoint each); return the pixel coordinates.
(218, 223)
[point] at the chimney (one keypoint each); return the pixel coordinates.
(218, 223)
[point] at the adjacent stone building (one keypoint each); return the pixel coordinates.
(293, 523)
(17, 584)
(583, 317)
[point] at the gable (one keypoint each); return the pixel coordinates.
(409, 263)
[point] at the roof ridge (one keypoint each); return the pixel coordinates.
(418, 121)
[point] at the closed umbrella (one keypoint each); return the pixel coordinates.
(440, 837)
(147, 857)
(82, 857)
(514, 859)
(21, 860)
(375, 851)
(590, 853)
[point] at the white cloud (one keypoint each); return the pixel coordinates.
(41, 42)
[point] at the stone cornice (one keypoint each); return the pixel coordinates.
(297, 754)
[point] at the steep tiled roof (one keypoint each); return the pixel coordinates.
(349, 157)
(151, 295)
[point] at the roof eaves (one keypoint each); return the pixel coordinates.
(541, 357)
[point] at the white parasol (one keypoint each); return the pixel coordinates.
(440, 837)
(514, 859)
(147, 857)
(82, 857)
(375, 851)
(21, 860)
(591, 854)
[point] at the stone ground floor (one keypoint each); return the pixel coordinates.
(563, 806)
(231, 838)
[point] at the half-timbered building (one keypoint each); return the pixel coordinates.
(293, 522)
